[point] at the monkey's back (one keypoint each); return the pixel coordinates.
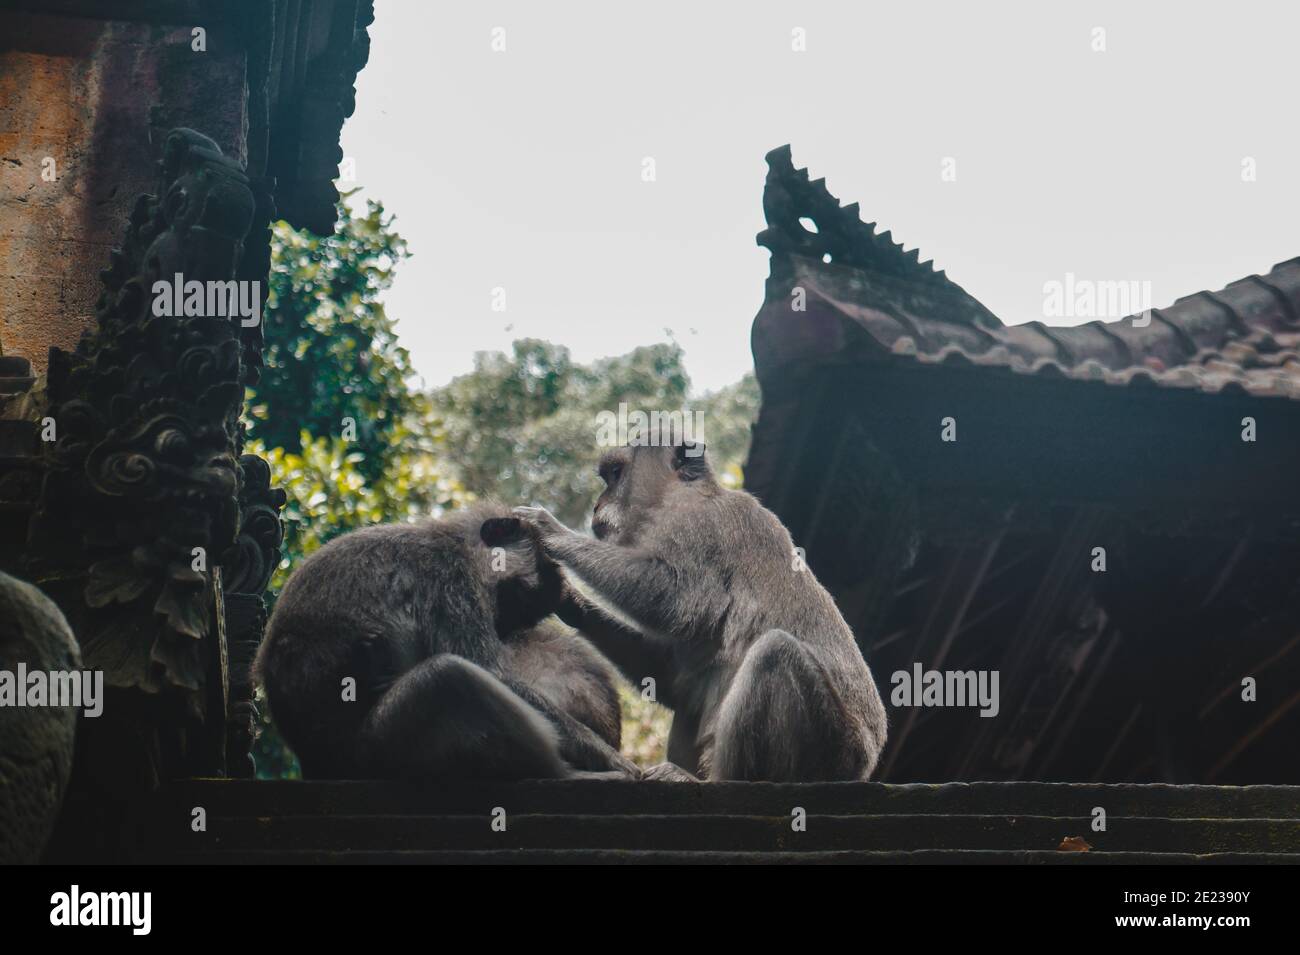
(367, 606)
(770, 589)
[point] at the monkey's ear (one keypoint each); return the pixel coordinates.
(497, 531)
(689, 461)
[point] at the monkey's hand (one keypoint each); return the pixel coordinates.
(549, 529)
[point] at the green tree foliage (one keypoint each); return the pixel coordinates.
(331, 353)
(348, 437)
(523, 427)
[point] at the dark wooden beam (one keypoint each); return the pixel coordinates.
(1234, 687)
(1081, 700)
(1103, 768)
(959, 585)
(1063, 578)
(1250, 738)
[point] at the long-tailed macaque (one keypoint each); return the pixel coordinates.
(698, 587)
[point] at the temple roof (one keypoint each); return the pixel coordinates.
(311, 67)
(1245, 337)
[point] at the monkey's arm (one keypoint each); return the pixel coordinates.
(579, 744)
(634, 655)
(657, 596)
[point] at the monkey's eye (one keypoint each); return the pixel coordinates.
(613, 473)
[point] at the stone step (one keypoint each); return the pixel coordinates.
(587, 857)
(739, 833)
(254, 821)
(231, 798)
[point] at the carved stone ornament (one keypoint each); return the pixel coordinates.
(141, 489)
(256, 552)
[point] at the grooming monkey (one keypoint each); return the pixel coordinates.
(421, 650)
(696, 586)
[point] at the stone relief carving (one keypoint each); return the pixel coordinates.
(145, 491)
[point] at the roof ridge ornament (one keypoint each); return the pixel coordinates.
(840, 233)
(1245, 336)
(839, 237)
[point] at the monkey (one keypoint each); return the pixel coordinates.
(565, 669)
(698, 587)
(428, 650)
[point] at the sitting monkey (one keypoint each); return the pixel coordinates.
(420, 650)
(697, 587)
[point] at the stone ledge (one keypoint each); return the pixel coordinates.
(251, 821)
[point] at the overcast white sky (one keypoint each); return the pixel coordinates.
(522, 169)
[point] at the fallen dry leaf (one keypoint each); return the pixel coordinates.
(1073, 844)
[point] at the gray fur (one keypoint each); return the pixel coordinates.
(696, 586)
(441, 631)
(563, 667)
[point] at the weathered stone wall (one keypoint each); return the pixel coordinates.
(97, 97)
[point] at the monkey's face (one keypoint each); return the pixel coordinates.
(526, 585)
(637, 480)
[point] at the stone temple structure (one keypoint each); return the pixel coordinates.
(140, 141)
